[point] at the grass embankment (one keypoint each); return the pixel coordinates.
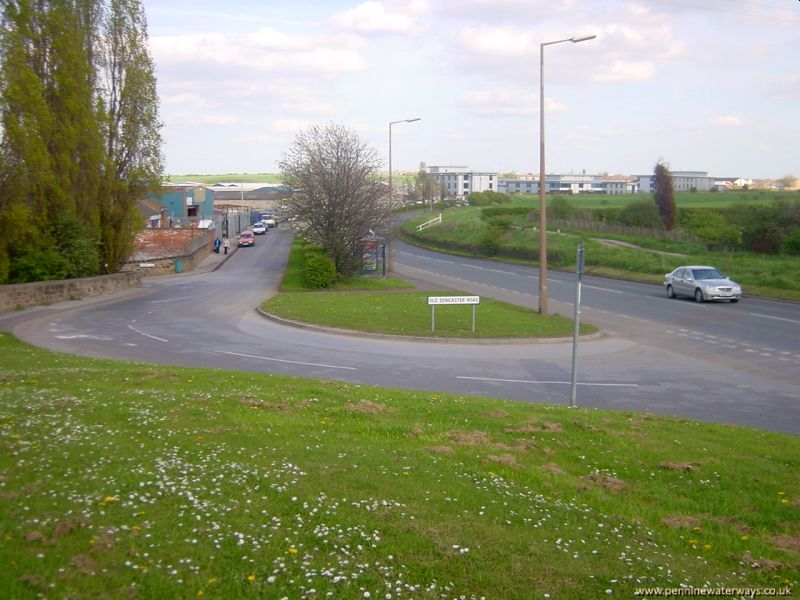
(125, 480)
(462, 231)
(396, 308)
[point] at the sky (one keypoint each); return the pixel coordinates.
(704, 85)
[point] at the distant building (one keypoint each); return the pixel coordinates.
(182, 204)
(460, 182)
(682, 181)
(571, 184)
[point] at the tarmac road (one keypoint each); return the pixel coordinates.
(661, 356)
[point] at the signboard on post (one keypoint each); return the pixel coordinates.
(433, 301)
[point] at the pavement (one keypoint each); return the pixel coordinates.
(214, 261)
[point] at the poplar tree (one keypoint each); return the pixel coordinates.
(664, 194)
(132, 128)
(79, 135)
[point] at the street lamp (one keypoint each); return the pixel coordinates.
(391, 190)
(542, 203)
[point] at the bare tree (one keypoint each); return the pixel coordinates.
(664, 194)
(338, 197)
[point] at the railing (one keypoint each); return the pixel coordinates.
(427, 224)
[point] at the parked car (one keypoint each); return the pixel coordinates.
(259, 228)
(270, 222)
(246, 238)
(701, 283)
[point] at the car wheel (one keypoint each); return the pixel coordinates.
(734, 300)
(670, 292)
(698, 295)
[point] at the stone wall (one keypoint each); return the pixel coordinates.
(26, 295)
(165, 265)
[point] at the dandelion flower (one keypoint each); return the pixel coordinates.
(212, 581)
(744, 538)
(251, 578)
(706, 546)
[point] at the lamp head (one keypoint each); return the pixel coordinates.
(582, 38)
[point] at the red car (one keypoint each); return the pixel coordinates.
(246, 238)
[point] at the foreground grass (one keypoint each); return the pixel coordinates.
(125, 480)
(408, 313)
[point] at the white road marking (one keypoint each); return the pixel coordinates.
(83, 336)
(546, 382)
(173, 299)
(594, 287)
(147, 334)
(281, 360)
(474, 267)
(775, 318)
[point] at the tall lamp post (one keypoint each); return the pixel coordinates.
(542, 202)
(391, 190)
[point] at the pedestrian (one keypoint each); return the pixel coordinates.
(217, 244)
(226, 244)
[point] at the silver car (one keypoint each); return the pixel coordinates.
(701, 283)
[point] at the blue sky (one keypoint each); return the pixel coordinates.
(707, 85)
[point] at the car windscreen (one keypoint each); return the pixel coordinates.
(707, 274)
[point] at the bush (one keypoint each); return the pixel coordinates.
(490, 212)
(560, 208)
(791, 245)
(319, 269)
(487, 198)
(641, 214)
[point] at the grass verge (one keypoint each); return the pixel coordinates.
(462, 232)
(126, 480)
(408, 313)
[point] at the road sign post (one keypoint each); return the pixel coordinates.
(433, 301)
(576, 324)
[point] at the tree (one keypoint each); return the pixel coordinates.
(132, 128)
(787, 181)
(664, 194)
(338, 195)
(425, 187)
(79, 138)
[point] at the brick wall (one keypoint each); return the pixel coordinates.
(25, 295)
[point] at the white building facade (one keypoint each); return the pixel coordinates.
(571, 184)
(682, 181)
(460, 182)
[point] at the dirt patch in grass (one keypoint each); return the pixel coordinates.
(681, 522)
(536, 427)
(790, 543)
(471, 438)
(368, 407)
(66, 527)
(553, 469)
(448, 450)
(83, 564)
(761, 563)
(498, 414)
(504, 459)
(604, 481)
(671, 466)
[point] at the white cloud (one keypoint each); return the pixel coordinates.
(624, 71)
(290, 125)
(185, 99)
(194, 119)
(375, 17)
(727, 121)
(499, 41)
(507, 102)
(260, 52)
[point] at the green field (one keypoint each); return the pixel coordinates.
(227, 178)
(122, 480)
(682, 199)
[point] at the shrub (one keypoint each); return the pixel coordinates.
(319, 269)
(487, 198)
(560, 208)
(791, 245)
(497, 211)
(641, 214)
